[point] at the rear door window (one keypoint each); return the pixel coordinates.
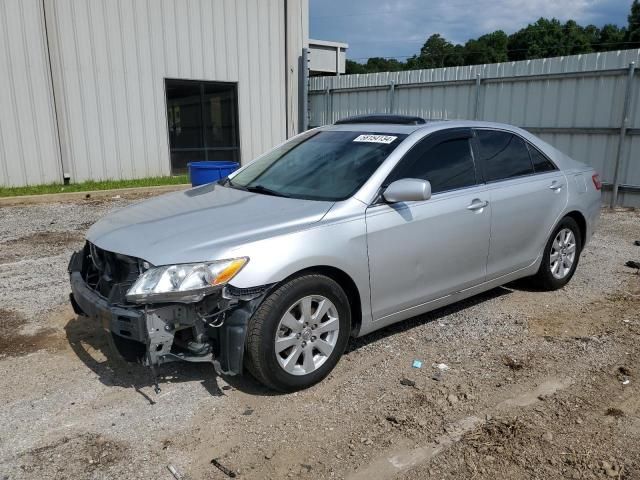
(502, 155)
(447, 165)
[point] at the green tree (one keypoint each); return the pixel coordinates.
(545, 38)
(374, 64)
(592, 33)
(576, 40)
(378, 64)
(437, 52)
(611, 37)
(634, 23)
(489, 48)
(352, 66)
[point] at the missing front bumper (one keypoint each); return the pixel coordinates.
(213, 330)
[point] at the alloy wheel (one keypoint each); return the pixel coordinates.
(563, 253)
(307, 335)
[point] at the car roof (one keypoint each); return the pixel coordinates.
(429, 125)
(374, 127)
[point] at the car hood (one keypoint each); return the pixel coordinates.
(201, 223)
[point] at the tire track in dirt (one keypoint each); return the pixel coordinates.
(394, 462)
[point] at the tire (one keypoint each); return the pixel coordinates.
(549, 278)
(281, 319)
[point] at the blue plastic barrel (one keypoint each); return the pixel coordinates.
(208, 172)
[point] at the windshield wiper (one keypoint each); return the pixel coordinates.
(265, 191)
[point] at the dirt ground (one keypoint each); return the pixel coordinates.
(532, 384)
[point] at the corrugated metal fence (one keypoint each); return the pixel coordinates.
(585, 105)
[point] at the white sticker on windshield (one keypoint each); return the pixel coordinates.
(375, 138)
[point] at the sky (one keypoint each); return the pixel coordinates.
(398, 28)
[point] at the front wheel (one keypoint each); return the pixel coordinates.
(298, 334)
(560, 257)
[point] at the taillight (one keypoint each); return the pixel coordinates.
(596, 181)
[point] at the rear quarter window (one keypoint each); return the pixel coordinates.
(540, 162)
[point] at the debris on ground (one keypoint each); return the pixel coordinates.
(174, 472)
(623, 375)
(614, 412)
(443, 367)
(633, 264)
(612, 471)
(512, 363)
(417, 364)
(229, 473)
(624, 371)
(396, 419)
(440, 369)
(407, 383)
(637, 243)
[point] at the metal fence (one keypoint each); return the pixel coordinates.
(585, 105)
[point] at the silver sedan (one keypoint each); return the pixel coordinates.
(338, 232)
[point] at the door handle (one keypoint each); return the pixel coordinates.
(477, 204)
(556, 186)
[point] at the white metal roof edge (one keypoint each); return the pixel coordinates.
(327, 43)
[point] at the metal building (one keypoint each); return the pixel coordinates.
(114, 89)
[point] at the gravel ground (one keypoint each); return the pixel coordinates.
(534, 385)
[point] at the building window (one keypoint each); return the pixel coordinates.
(203, 122)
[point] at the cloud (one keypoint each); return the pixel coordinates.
(400, 27)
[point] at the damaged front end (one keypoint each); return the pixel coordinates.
(212, 329)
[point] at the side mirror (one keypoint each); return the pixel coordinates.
(407, 190)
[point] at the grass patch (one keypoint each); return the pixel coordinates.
(91, 185)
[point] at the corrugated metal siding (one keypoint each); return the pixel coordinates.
(112, 56)
(29, 149)
(548, 96)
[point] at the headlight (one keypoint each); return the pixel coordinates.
(188, 282)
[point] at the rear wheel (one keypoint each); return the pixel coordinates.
(560, 257)
(299, 332)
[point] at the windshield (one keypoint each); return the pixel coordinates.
(321, 165)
